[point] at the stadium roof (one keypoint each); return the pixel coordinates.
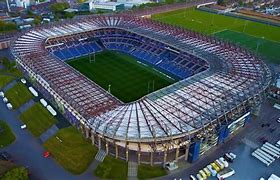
(179, 109)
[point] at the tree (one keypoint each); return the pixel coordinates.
(19, 173)
(220, 2)
(59, 7)
(7, 26)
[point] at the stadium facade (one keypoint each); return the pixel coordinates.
(219, 86)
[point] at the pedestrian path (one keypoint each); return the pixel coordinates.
(100, 155)
(9, 85)
(49, 133)
(25, 106)
(132, 169)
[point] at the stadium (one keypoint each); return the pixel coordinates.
(211, 91)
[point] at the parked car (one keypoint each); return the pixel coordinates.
(202, 173)
(207, 172)
(232, 155)
(228, 158)
(278, 120)
(219, 164)
(210, 168)
(5, 156)
(192, 177)
(224, 161)
(199, 177)
(23, 126)
(217, 169)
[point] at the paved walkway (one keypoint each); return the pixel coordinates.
(25, 106)
(100, 155)
(9, 85)
(132, 170)
(49, 133)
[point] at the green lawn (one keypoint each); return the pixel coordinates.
(6, 135)
(74, 153)
(18, 95)
(128, 79)
(147, 171)
(4, 80)
(269, 49)
(210, 23)
(112, 168)
(37, 119)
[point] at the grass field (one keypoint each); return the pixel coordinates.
(148, 172)
(4, 80)
(6, 135)
(210, 23)
(112, 168)
(74, 153)
(239, 31)
(18, 95)
(37, 119)
(269, 49)
(128, 79)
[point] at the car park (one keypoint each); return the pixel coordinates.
(213, 171)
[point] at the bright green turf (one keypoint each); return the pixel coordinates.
(269, 49)
(128, 78)
(112, 168)
(18, 95)
(37, 119)
(74, 153)
(209, 23)
(4, 80)
(148, 172)
(6, 135)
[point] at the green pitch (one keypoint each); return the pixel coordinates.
(211, 23)
(129, 79)
(239, 31)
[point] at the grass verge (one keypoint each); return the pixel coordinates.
(18, 95)
(7, 137)
(37, 119)
(112, 168)
(147, 171)
(71, 150)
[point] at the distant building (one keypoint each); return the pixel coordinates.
(105, 6)
(22, 3)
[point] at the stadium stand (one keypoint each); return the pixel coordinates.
(220, 86)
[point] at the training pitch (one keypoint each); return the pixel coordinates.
(258, 37)
(126, 78)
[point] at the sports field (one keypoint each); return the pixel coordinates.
(129, 79)
(243, 32)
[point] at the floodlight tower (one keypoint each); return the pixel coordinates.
(8, 5)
